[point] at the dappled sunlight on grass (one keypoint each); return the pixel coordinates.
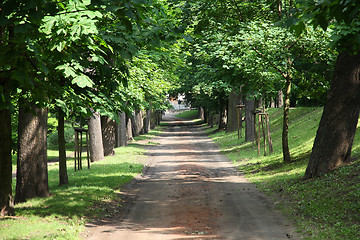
(324, 208)
(61, 216)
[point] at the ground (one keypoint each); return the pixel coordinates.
(189, 190)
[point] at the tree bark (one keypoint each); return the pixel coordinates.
(129, 133)
(335, 135)
(280, 99)
(95, 138)
(201, 113)
(121, 131)
(249, 120)
(63, 177)
(137, 123)
(223, 116)
(234, 100)
(6, 197)
(108, 129)
(147, 121)
(32, 171)
(285, 133)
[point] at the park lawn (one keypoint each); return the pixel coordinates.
(327, 207)
(189, 114)
(64, 214)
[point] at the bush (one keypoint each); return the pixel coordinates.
(53, 136)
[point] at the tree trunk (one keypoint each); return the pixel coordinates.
(249, 120)
(211, 119)
(63, 177)
(280, 99)
(335, 135)
(223, 116)
(147, 120)
(137, 123)
(6, 197)
(108, 131)
(201, 113)
(95, 138)
(32, 171)
(121, 131)
(234, 100)
(285, 133)
(272, 103)
(129, 134)
(153, 120)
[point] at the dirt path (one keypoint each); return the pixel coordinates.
(191, 191)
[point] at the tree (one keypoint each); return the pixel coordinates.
(96, 147)
(108, 129)
(63, 177)
(6, 198)
(31, 174)
(334, 138)
(232, 122)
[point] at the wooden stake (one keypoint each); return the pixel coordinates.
(264, 134)
(76, 146)
(258, 134)
(271, 150)
(238, 121)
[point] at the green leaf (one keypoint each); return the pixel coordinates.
(83, 81)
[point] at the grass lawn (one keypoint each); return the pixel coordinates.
(323, 208)
(189, 114)
(64, 214)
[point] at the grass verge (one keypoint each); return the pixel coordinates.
(64, 214)
(323, 208)
(188, 114)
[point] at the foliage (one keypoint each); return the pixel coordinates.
(319, 207)
(340, 16)
(53, 136)
(239, 44)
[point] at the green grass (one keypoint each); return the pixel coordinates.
(64, 213)
(189, 114)
(323, 208)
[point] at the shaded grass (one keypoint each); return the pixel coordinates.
(323, 208)
(64, 213)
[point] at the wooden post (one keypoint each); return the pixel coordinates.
(238, 121)
(87, 149)
(258, 134)
(271, 150)
(79, 146)
(263, 130)
(75, 149)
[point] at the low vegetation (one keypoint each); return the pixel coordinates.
(327, 207)
(190, 114)
(64, 213)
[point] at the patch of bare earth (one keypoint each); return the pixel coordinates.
(191, 209)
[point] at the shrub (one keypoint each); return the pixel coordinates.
(53, 136)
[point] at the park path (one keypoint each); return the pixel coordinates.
(191, 191)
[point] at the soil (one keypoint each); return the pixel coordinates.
(189, 190)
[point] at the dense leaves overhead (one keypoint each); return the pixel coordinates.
(78, 53)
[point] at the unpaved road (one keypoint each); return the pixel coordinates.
(191, 191)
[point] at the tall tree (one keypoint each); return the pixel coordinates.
(6, 198)
(335, 135)
(95, 138)
(108, 129)
(63, 177)
(31, 174)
